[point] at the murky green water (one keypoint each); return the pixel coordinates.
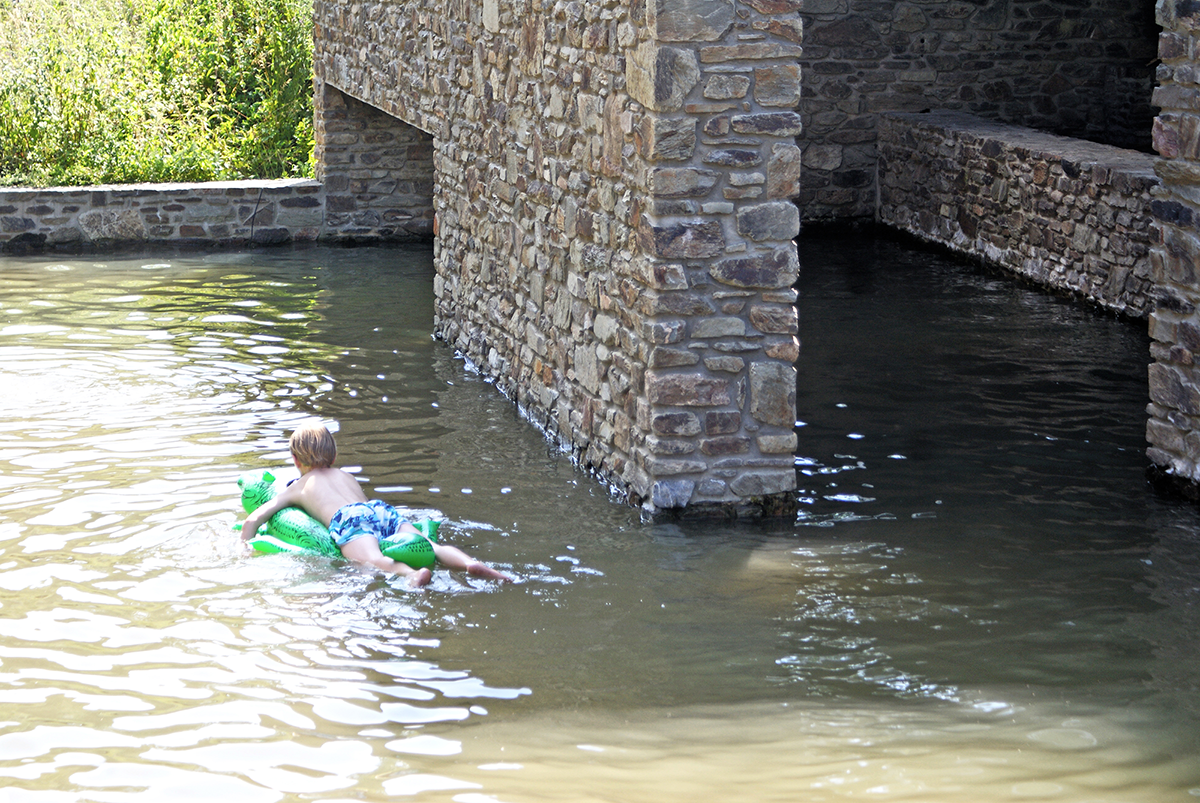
(980, 601)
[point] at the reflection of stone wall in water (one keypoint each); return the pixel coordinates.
(614, 229)
(1080, 69)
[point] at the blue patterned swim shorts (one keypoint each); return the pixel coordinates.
(375, 518)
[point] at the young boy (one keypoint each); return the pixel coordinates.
(335, 499)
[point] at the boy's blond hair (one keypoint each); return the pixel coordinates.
(313, 445)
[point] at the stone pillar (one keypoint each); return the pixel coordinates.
(718, 85)
(377, 171)
(614, 231)
(1174, 426)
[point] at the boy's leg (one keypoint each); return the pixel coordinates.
(455, 558)
(365, 549)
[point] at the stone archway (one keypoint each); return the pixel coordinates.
(377, 171)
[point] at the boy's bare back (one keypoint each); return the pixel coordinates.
(321, 491)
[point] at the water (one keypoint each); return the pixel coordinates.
(980, 600)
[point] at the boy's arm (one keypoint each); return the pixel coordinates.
(289, 497)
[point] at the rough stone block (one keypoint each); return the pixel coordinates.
(726, 86)
(770, 270)
(773, 393)
(662, 357)
(772, 124)
(790, 28)
(722, 422)
(783, 171)
(12, 224)
(681, 424)
(682, 182)
(763, 483)
(778, 85)
(660, 77)
(779, 6)
(672, 494)
(774, 220)
(688, 20)
(719, 327)
(491, 15)
(668, 467)
(777, 444)
(681, 239)
(746, 179)
(65, 235)
(670, 446)
(775, 319)
(607, 329)
(688, 390)
(117, 224)
(733, 157)
(587, 368)
(750, 51)
(725, 445)
(668, 138)
(659, 275)
(1169, 388)
(730, 365)
(664, 332)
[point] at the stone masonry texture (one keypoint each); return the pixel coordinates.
(1079, 68)
(234, 213)
(614, 188)
(612, 195)
(1070, 215)
(1173, 429)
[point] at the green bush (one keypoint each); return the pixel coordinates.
(117, 91)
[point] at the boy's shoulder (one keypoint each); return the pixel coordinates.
(326, 474)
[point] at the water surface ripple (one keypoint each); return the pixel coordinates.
(980, 599)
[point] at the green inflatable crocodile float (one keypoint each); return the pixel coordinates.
(293, 530)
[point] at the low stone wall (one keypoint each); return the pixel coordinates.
(223, 213)
(1079, 68)
(384, 194)
(1068, 214)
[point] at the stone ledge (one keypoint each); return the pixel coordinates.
(174, 187)
(1070, 215)
(1034, 143)
(221, 214)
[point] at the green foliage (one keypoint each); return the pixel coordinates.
(116, 91)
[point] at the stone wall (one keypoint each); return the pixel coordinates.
(614, 235)
(377, 171)
(1081, 69)
(219, 213)
(395, 207)
(1174, 426)
(1068, 214)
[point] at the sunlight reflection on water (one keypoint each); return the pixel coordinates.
(1002, 613)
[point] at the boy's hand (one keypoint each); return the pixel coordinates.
(260, 516)
(249, 528)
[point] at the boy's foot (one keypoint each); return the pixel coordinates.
(420, 578)
(483, 571)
